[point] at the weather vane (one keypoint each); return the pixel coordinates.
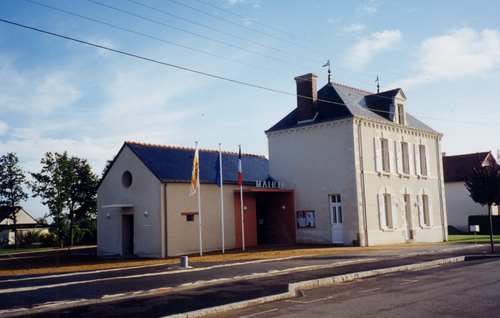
(329, 72)
(378, 85)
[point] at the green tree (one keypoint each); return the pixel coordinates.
(484, 188)
(52, 186)
(82, 201)
(12, 180)
(68, 187)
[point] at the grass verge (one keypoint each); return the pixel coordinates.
(469, 238)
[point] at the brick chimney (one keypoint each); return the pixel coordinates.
(307, 96)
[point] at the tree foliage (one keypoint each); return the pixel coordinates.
(484, 188)
(12, 180)
(68, 187)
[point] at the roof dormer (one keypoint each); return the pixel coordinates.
(399, 108)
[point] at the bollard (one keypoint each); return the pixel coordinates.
(184, 262)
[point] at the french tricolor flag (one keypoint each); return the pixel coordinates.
(240, 177)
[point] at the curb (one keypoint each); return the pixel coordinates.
(294, 287)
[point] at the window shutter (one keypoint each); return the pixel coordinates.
(431, 220)
(399, 159)
(416, 155)
(420, 211)
(390, 161)
(410, 163)
(394, 212)
(381, 211)
(427, 160)
(378, 154)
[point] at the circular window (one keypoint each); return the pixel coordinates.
(127, 179)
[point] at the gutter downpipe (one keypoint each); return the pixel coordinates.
(440, 184)
(362, 172)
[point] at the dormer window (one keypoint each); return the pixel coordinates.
(401, 114)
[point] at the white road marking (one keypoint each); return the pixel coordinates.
(191, 284)
(259, 313)
(368, 290)
(310, 301)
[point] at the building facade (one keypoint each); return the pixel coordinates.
(369, 172)
(459, 204)
(144, 207)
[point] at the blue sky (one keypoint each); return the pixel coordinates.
(59, 95)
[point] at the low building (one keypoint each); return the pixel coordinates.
(144, 207)
(25, 223)
(459, 204)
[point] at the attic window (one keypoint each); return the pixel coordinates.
(127, 179)
(401, 114)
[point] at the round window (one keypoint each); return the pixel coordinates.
(127, 179)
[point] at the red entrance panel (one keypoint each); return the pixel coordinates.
(249, 218)
(269, 217)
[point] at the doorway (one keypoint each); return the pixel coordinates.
(336, 219)
(127, 234)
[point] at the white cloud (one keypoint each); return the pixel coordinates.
(461, 53)
(334, 20)
(354, 27)
(367, 47)
(3, 127)
(368, 7)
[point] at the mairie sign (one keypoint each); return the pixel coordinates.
(269, 184)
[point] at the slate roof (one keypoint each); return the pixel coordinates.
(174, 164)
(458, 168)
(336, 101)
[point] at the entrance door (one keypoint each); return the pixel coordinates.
(128, 234)
(336, 219)
(406, 203)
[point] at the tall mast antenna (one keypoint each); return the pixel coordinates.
(329, 72)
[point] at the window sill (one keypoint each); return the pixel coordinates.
(426, 227)
(384, 174)
(423, 177)
(388, 230)
(404, 175)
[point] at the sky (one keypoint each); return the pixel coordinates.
(173, 72)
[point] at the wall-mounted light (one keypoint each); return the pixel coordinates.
(245, 208)
(397, 204)
(283, 207)
(416, 204)
(146, 213)
(108, 216)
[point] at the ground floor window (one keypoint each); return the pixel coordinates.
(387, 211)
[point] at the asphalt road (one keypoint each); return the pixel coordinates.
(156, 291)
(465, 289)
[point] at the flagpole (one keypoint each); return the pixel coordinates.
(199, 201)
(240, 181)
(221, 196)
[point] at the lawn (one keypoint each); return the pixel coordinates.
(469, 238)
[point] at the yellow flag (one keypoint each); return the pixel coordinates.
(195, 181)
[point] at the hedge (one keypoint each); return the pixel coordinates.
(484, 223)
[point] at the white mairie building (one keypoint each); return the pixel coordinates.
(363, 169)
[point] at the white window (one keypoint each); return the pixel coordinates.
(383, 154)
(423, 159)
(387, 211)
(425, 210)
(401, 114)
(403, 158)
(421, 156)
(336, 208)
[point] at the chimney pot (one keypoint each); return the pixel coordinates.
(307, 96)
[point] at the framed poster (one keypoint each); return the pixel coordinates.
(305, 219)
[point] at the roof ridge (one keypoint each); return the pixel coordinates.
(189, 148)
(470, 154)
(357, 89)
